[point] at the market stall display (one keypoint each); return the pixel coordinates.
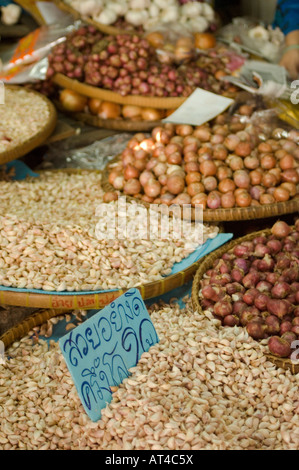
(129, 65)
(233, 397)
(26, 121)
(62, 230)
(253, 282)
(227, 166)
(93, 222)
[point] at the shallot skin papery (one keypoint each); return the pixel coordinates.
(264, 301)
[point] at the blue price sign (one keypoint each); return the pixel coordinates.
(100, 352)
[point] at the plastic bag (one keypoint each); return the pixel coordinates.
(174, 43)
(254, 37)
(18, 60)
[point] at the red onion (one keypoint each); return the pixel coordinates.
(273, 325)
(260, 302)
(251, 279)
(281, 290)
(250, 295)
(223, 308)
(285, 326)
(280, 308)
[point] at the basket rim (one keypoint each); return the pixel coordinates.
(22, 328)
(112, 124)
(39, 138)
(207, 262)
(224, 215)
(107, 95)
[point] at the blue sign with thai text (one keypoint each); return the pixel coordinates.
(100, 351)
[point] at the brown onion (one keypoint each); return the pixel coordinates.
(200, 199)
(269, 180)
(228, 200)
(151, 114)
(235, 162)
(290, 187)
(242, 179)
(287, 162)
(267, 199)
(251, 162)
(195, 188)
(208, 168)
(72, 101)
(268, 161)
(226, 185)
(256, 177)
(280, 229)
(290, 176)
(193, 177)
(94, 105)
(243, 149)
(210, 183)
(108, 110)
(131, 111)
(130, 172)
(243, 199)
(152, 188)
(224, 172)
(281, 194)
(175, 184)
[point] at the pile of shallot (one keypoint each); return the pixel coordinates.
(256, 285)
(222, 164)
(128, 64)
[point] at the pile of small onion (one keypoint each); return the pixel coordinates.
(127, 64)
(75, 102)
(256, 285)
(217, 165)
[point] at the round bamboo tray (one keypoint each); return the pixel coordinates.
(225, 215)
(90, 301)
(207, 263)
(38, 139)
(107, 95)
(107, 29)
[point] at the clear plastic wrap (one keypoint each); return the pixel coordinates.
(92, 157)
(174, 43)
(254, 37)
(19, 60)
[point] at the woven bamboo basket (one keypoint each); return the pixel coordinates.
(107, 95)
(114, 124)
(22, 329)
(38, 139)
(91, 301)
(106, 29)
(207, 263)
(226, 215)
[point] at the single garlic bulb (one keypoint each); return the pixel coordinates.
(259, 32)
(107, 17)
(10, 14)
(136, 17)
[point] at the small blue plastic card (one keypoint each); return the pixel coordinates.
(100, 351)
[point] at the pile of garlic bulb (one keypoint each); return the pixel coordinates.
(196, 16)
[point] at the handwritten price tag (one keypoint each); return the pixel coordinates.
(99, 352)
